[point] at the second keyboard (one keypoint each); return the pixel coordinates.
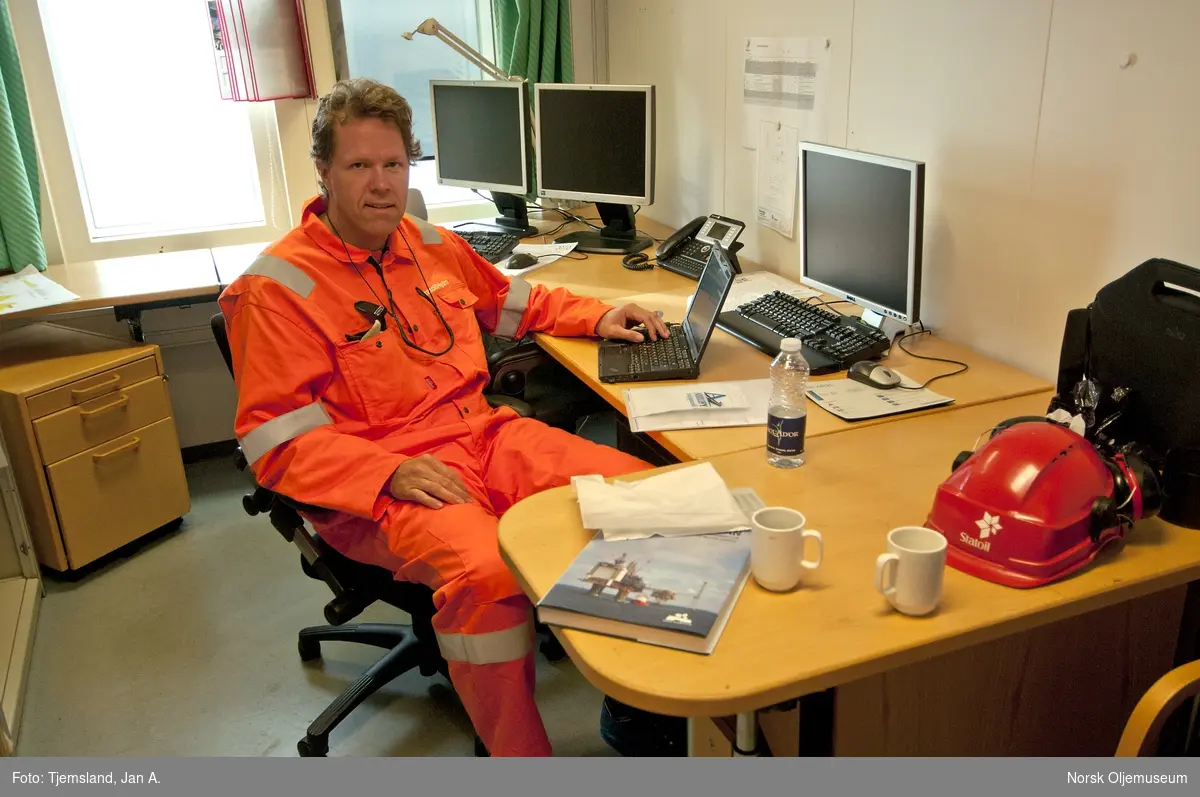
(832, 342)
(492, 246)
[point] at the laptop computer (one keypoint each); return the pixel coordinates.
(676, 357)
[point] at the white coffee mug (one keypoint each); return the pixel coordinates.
(777, 548)
(909, 575)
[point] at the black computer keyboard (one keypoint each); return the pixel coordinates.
(492, 246)
(688, 260)
(832, 342)
(664, 354)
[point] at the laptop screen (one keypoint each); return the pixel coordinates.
(706, 302)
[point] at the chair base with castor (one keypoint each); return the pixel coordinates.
(404, 652)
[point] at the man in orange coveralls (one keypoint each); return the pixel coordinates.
(381, 417)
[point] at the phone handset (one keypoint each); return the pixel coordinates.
(677, 238)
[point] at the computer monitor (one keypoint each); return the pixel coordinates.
(861, 217)
(481, 140)
(595, 143)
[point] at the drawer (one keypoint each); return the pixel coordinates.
(112, 494)
(97, 421)
(91, 387)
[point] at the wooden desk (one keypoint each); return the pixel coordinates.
(989, 673)
(132, 284)
(728, 358)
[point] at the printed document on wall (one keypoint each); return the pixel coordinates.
(778, 174)
(784, 80)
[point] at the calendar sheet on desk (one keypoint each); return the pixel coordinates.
(854, 401)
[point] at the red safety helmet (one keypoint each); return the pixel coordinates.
(1037, 502)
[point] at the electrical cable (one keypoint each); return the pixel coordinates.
(900, 343)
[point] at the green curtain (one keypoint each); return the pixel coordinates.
(20, 218)
(533, 39)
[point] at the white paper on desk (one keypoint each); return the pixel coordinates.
(784, 79)
(854, 401)
(29, 289)
(545, 253)
(690, 500)
(748, 287)
(660, 409)
(745, 497)
(778, 173)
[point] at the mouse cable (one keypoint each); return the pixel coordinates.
(961, 365)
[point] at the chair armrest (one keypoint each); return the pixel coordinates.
(509, 367)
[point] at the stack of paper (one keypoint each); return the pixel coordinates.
(698, 406)
(29, 289)
(691, 500)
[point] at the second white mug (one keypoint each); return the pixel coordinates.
(777, 548)
(909, 575)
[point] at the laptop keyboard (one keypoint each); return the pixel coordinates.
(664, 354)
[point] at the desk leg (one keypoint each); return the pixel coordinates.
(132, 314)
(745, 740)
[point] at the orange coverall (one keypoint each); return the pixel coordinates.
(326, 420)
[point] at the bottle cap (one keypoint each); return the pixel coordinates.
(790, 344)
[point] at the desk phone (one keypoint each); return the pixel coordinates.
(686, 251)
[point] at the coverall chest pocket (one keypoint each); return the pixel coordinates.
(384, 379)
(457, 305)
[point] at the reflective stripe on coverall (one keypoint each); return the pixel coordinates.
(326, 420)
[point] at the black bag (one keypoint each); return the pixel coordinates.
(1139, 340)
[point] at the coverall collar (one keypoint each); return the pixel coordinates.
(320, 233)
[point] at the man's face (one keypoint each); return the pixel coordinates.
(367, 180)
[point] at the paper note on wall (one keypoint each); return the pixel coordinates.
(778, 173)
(784, 79)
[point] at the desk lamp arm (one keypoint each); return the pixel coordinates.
(431, 27)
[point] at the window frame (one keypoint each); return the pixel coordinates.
(64, 221)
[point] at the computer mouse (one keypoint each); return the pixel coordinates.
(521, 260)
(874, 374)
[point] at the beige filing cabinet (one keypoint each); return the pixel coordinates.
(92, 441)
(20, 599)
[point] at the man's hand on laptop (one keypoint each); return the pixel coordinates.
(428, 481)
(618, 323)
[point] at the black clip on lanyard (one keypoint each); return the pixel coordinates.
(377, 314)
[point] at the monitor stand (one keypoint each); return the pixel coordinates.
(619, 236)
(513, 218)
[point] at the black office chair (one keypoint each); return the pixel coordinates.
(356, 586)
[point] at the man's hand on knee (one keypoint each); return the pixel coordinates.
(428, 481)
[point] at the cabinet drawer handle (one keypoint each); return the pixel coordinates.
(84, 393)
(130, 446)
(112, 405)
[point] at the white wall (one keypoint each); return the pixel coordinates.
(1050, 168)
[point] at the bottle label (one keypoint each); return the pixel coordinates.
(785, 436)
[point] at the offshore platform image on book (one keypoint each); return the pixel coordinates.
(621, 576)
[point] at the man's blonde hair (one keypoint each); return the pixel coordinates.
(359, 98)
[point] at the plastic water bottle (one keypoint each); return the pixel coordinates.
(787, 414)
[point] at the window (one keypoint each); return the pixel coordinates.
(371, 46)
(141, 154)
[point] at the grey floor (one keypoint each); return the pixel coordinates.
(187, 647)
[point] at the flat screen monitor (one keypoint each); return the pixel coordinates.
(861, 220)
(481, 134)
(595, 143)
